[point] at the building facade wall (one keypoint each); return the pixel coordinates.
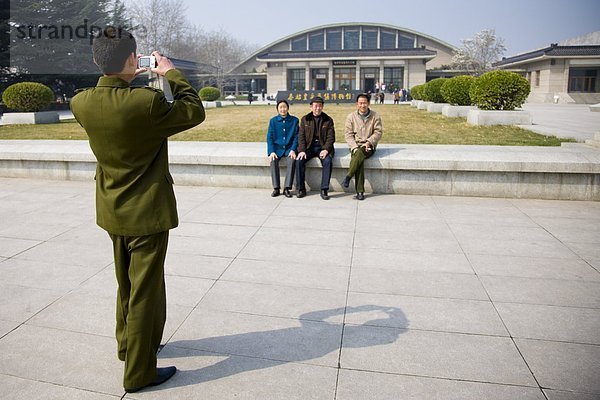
(406, 72)
(554, 81)
(444, 54)
(276, 77)
(417, 74)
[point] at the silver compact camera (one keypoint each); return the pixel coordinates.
(147, 62)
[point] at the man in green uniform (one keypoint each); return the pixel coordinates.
(128, 128)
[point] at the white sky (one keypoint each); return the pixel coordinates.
(523, 24)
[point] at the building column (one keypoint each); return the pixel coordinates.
(405, 83)
(307, 78)
(357, 83)
(330, 80)
(381, 72)
(237, 89)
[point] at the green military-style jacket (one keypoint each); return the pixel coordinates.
(128, 128)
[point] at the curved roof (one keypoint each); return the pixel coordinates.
(342, 24)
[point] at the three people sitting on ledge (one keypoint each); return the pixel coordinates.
(313, 137)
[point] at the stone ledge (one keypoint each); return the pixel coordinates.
(40, 117)
(436, 107)
(489, 117)
(456, 111)
(568, 172)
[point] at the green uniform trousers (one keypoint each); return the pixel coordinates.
(357, 167)
(141, 303)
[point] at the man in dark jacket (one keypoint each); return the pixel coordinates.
(128, 129)
(315, 139)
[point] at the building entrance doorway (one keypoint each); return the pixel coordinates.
(319, 78)
(321, 84)
(344, 78)
(369, 77)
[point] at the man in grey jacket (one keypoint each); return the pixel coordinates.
(362, 131)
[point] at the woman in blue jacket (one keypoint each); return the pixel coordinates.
(282, 141)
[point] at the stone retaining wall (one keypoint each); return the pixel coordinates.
(570, 172)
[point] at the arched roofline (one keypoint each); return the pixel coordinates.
(343, 24)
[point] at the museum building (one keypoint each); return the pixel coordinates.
(563, 72)
(347, 56)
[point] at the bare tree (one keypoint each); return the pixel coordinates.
(161, 25)
(479, 53)
(220, 52)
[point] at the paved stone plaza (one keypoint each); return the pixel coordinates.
(396, 297)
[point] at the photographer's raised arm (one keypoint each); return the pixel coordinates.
(163, 64)
(186, 111)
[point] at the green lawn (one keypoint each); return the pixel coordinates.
(402, 125)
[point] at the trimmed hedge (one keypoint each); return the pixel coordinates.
(28, 96)
(499, 90)
(432, 90)
(417, 92)
(209, 93)
(456, 90)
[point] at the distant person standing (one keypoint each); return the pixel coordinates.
(396, 96)
(315, 139)
(250, 97)
(282, 141)
(362, 132)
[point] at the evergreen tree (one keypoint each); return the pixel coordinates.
(117, 15)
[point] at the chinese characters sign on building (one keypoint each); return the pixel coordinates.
(305, 96)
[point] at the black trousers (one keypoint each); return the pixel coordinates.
(326, 163)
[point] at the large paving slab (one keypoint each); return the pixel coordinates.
(268, 298)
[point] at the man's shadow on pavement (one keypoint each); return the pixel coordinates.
(314, 339)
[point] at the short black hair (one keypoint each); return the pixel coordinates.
(365, 95)
(282, 101)
(111, 47)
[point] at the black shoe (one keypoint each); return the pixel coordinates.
(162, 375)
(275, 193)
(324, 195)
(301, 193)
(286, 193)
(346, 182)
(360, 196)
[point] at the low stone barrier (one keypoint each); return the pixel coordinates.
(423, 105)
(570, 172)
(456, 111)
(436, 107)
(485, 117)
(40, 117)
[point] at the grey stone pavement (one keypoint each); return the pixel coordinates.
(396, 297)
(563, 120)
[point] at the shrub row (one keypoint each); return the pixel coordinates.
(494, 90)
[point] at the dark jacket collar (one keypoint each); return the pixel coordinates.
(111, 81)
(310, 117)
